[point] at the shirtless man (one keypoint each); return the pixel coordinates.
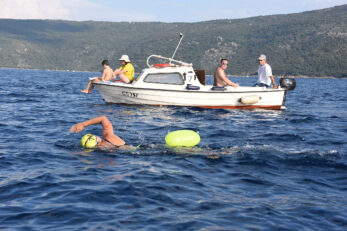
(107, 75)
(220, 78)
(109, 139)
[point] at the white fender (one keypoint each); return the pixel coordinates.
(250, 99)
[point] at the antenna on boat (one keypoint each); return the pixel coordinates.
(181, 37)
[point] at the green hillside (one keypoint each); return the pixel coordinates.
(311, 43)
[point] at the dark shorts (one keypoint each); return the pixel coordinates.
(261, 85)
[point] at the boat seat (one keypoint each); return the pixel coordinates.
(192, 87)
(215, 88)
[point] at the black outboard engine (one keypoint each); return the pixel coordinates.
(288, 83)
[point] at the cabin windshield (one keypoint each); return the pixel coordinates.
(164, 78)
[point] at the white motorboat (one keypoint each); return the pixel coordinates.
(177, 83)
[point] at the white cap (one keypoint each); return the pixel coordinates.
(261, 57)
(125, 58)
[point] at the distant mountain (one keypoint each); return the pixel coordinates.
(310, 43)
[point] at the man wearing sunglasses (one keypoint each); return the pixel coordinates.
(220, 78)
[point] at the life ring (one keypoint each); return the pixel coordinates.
(160, 65)
(182, 138)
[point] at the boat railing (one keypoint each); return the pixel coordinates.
(171, 61)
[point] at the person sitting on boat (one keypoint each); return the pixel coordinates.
(126, 71)
(265, 73)
(220, 78)
(108, 140)
(107, 75)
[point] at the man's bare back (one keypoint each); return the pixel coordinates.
(107, 75)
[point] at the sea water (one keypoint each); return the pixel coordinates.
(253, 169)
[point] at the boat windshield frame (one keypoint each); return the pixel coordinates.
(167, 76)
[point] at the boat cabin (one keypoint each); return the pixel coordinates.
(169, 75)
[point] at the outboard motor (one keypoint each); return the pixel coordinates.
(288, 83)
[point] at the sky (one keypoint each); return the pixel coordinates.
(155, 10)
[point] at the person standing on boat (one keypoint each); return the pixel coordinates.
(108, 140)
(220, 78)
(265, 77)
(126, 71)
(107, 75)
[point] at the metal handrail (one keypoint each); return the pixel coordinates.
(169, 59)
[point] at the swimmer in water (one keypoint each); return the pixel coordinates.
(108, 140)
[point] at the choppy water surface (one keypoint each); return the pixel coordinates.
(253, 169)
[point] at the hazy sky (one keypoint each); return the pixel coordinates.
(155, 10)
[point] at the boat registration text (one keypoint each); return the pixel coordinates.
(129, 94)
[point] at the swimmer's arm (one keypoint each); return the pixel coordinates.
(106, 124)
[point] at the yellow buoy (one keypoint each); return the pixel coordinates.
(182, 138)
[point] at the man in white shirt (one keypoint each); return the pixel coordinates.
(265, 77)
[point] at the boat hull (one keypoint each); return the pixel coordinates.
(272, 99)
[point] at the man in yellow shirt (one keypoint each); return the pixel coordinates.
(126, 71)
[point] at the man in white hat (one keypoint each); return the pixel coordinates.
(265, 77)
(126, 71)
